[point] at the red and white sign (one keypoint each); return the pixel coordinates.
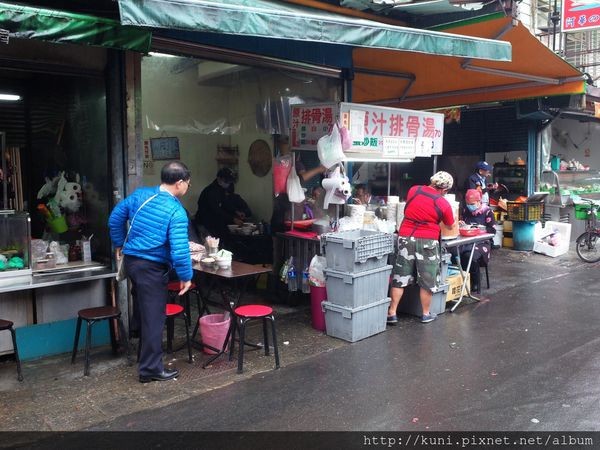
(371, 127)
(580, 15)
(311, 122)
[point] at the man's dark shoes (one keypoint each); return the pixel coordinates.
(167, 374)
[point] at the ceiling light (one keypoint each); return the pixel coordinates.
(162, 55)
(10, 97)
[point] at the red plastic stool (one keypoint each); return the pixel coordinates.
(173, 310)
(8, 325)
(243, 315)
(173, 288)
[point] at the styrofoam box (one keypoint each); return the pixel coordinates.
(356, 250)
(354, 324)
(411, 301)
(357, 289)
(564, 231)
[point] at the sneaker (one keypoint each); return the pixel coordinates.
(392, 320)
(428, 318)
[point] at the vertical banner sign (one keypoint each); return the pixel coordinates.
(311, 122)
(378, 125)
(580, 15)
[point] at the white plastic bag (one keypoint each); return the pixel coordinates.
(316, 274)
(329, 148)
(294, 188)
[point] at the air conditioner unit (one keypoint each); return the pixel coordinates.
(210, 70)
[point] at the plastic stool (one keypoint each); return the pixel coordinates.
(172, 311)
(91, 316)
(8, 325)
(243, 314)
(173, 288)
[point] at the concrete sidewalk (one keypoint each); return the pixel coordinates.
(56, 396)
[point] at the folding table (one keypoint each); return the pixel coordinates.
(458, 243)
(238, 275)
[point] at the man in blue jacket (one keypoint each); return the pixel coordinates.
(157, 241)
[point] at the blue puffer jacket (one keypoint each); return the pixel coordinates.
(159, 232)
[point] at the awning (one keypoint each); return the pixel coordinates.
(421, 81)
(58, 26)
(279, 20)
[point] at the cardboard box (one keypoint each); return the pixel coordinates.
(454, 285)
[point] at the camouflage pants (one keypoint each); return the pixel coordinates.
(417, 259)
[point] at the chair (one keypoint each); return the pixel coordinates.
(482, 265)
(244, 314)
(8, 325)
(173, 310)
(173, 288)
(91, 316)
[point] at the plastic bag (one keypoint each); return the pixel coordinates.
(294, 188)
(329, 148)
(316, 273)
(282, 166)
(345, 137)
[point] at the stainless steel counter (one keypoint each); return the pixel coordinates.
(60, 278)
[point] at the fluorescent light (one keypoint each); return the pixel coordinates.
(10, 97)
(162, 55)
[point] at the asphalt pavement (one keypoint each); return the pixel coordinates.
(525, 358)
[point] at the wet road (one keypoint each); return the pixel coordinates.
(525, 359)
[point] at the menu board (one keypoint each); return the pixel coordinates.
(377, 133)
(165, 148)
(390, 133)
(311, 122)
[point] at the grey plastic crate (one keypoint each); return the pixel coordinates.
(445, 262)
(411, 302)
(356, 250)
(357, 289)
(354, 324)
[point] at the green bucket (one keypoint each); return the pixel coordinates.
(58, 224)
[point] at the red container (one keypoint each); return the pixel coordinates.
(317, 295)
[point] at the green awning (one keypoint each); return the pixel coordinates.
(279, 20)
(57, 26)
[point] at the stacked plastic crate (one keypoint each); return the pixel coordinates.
(357, 280)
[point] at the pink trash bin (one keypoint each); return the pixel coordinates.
(213, 328)
(317, 295)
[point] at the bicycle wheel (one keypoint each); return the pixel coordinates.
(587, 248)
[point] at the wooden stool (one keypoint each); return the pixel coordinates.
(8, 325)
(91, 316)
(243, 314)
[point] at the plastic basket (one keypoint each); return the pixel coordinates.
(357, 289)
(582, 209)
(356, 250)
(525, 211)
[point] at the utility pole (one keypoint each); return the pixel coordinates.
(554, 18)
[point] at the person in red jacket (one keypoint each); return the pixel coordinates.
(418, 256)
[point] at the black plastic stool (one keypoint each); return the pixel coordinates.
(91, 316)
(8, 325)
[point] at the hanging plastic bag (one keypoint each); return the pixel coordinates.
(345, 137)
(294, 188)
(281, 169)
(329, 148)
(316, 271)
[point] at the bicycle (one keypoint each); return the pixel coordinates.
(586, 243)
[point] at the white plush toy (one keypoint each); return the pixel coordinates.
(68, 194)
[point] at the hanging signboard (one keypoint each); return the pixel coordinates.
(371, 128)
(580, 15)
(376, 132)
(311, 122)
